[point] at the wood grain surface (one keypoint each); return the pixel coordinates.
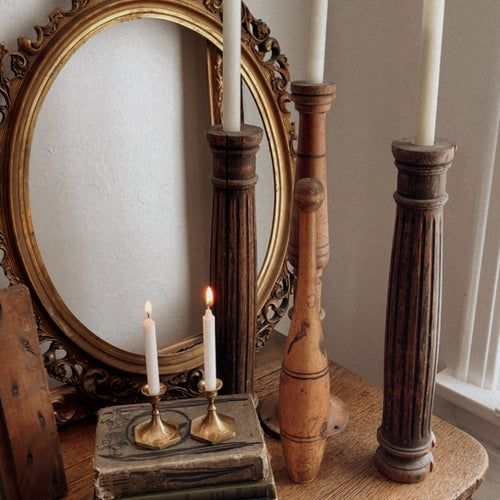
(30, 461)
(348, 470)
(233, 248)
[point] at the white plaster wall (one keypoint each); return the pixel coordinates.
(372, 55)
(119, 182)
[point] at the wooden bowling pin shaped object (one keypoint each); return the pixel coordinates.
(304, 393)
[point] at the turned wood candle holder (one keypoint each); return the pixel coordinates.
(413, 311)
(304, 391)
(233, 274)
(312, 101)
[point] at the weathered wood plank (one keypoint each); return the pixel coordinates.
(31, 438)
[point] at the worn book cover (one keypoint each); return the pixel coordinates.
(247, 490)
(124, 469)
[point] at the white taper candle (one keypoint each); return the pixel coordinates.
(430, 60)
(231, 89)
(315, 66)
(209, 344)
(151, 351)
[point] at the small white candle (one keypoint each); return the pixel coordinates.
(315, 67)
(209, 344)
(151, 351)
(430, 59)
(231, 90)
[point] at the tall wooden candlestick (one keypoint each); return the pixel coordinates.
(413, 311)
(313, 103)
(304, 393)
(233, 274)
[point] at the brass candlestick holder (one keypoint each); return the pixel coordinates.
(156, 433)
(212, 428)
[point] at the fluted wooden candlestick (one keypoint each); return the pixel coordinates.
(304, 392)
(413, 311)
(312, 103)
(233, 274)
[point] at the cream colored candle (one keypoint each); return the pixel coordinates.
(430, 59)
(315, 66)
(231, 92)
(209, 344)
(151, 351)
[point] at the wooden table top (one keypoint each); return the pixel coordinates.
(348, 470)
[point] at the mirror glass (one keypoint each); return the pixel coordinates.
(119, 182)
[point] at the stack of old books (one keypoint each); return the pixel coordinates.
(238, 468)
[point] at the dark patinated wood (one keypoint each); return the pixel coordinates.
(233, 271)
(413, 311)
(312, 103)
(304, 393)
(348, 470)
(31, 463)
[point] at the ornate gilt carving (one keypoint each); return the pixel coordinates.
(30, 47)
(213, 5)
(17, 66)
(257, 35)
(275, 307)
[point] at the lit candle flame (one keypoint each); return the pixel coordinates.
(148, 308)
(209, 297)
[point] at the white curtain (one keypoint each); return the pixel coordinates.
(469, 113)
(479, 354)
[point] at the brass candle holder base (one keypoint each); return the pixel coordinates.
(156, 433)
(212, 428)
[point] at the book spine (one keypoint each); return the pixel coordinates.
(225, 492)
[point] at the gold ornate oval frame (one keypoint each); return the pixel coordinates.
(99, 373)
